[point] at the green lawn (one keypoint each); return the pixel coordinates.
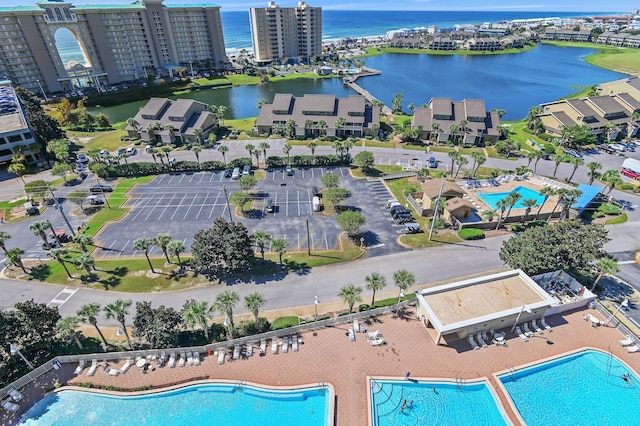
(301, 260)
(622, 59)
(377, 144)
(243, 124)
(518, 132)
(375, 171)
(109, 140)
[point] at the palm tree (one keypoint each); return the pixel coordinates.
(118, 310)
(145, 244)
(58, 254)
(224, 303)
(611, 178)
(197, 313)
(593, 171)
(88, 313)
(253, 302)
(197, 132)
(264, 146)
(609, 127)
(350, 294)
(308, 124)
(512, 199)
(606, 265)
(162, 240)
(347, 145)
(15, 256)
(220, 111)
(40, 229)
(153, 153)
(322, 125)
(86, 262)
(538, 156)
(575, 162)
(286, 148)
(403, 279)
(567, 201)
(340, 122)
(558, 158)
(489, 214)
(529, 203)
(376, 281)
(174, 248)
(462, 161)
(83, 240)
(249, 147)
(561, 193)
(455, 156)
(18, 169)
(66, 328)
(435, 128)
(546, 192)
(312, 145)
(262, 238)
(337, 145)
(533, 114)
(133, 123)
(280, 246)
(502, 206)
(4, 236)
(452, 131)
(478, 159)
(196, 149)
(223, 149)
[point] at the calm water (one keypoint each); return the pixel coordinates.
(241, 101)
(195, 405)
(449, 405)
(581, 389)
(491, 199)
(511, 82)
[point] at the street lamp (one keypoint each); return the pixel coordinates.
(315, 302)
(624, 304)
(13, 349)
(43, 94)
(524, 308)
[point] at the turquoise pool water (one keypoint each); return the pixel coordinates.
(210, 404)
(434, 403)
(492, 198)
(581, 389)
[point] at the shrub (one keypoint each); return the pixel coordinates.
(471, 234)
(284, 322)
(609, 209)
(249, 328)
(363, 307)
(626, 186)
(516, 227)
(537, 223)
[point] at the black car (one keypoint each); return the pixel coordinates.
(101, 188)
(227, 173)
(270, 207)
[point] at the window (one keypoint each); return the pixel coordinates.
(14, 138)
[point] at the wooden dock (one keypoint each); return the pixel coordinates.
(351, 82)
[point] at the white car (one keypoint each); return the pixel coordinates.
(131, 151)
(103, 153)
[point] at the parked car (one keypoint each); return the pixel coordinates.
(121, 151)
(101, 188)
(315, 192)
(630, 173)
(95, 200)
(82, 158)
(432, 163)
(226, 173)
(246, 170)
(236, 173)
(289, 170)
(269, 207)
(103, 153)
(234, 134)
(132, 150)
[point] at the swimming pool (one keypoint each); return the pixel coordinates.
(585, 388)
(434, 403)
(492, 198)
(202, 404)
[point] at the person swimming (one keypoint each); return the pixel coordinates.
(625, 377)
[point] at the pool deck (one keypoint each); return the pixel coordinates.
(509, 186)
(328, 355)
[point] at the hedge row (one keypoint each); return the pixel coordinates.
(147, 168)
(306, 160)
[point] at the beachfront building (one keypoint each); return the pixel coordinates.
(15, 134)
(316, 115)
(595, 112)
(466, 122)
(119, 43)
(163, 121)
(286, 32)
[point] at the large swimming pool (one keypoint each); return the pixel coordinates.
(205, 404)
(580, 389)
(433, 403)
(491, 198)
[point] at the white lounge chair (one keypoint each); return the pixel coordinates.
(183, 358)
(172, 360)
(294, 345)
(196, 358)
(126, 366)
(481, 340)
(527, 330)
(545, 325)
(373, 335)
(111, 371)
(274, 345)
(189, 358)
(221, 356)
(631, 349)
(285, 344)
(356, 325)
(80, 367)
(473, 343)
(522, 335)
(626, 342)
(263, 346)
(352, 336)
(236, 352)
(377, 341)
(535, 326)
(249, 349)
(17, 396)
(11, 406)
(93, 368)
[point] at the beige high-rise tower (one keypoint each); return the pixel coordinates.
(286, 32)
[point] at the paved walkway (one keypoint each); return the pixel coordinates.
(328, 355)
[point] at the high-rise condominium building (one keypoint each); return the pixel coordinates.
(119, 43)
(286, 32)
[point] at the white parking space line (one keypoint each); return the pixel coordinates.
(62, 297)
(181, 201)
(154, 208)
(122, 249)
(202, 206)
(192, 176)
(298, 242)
(182, 176)
(201, 177)
(275, 203)
(299, 214)
(326, 243)
(106, 252)
(287, 204)
(142, 209)
(166, 206)
(311, 242)
(189, 209)
(215, 203)
(161, 179)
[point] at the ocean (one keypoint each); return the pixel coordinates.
(347, 23)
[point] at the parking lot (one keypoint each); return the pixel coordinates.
(182, 204)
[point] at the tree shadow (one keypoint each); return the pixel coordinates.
(40, 272)
(110, 282)
(88, 279)
(119, 271)
(299, 268)
(370, 238)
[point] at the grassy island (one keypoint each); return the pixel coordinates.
(375, 51)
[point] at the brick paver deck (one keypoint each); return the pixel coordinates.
(328, 355)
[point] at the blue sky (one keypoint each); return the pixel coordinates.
(487, 5)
